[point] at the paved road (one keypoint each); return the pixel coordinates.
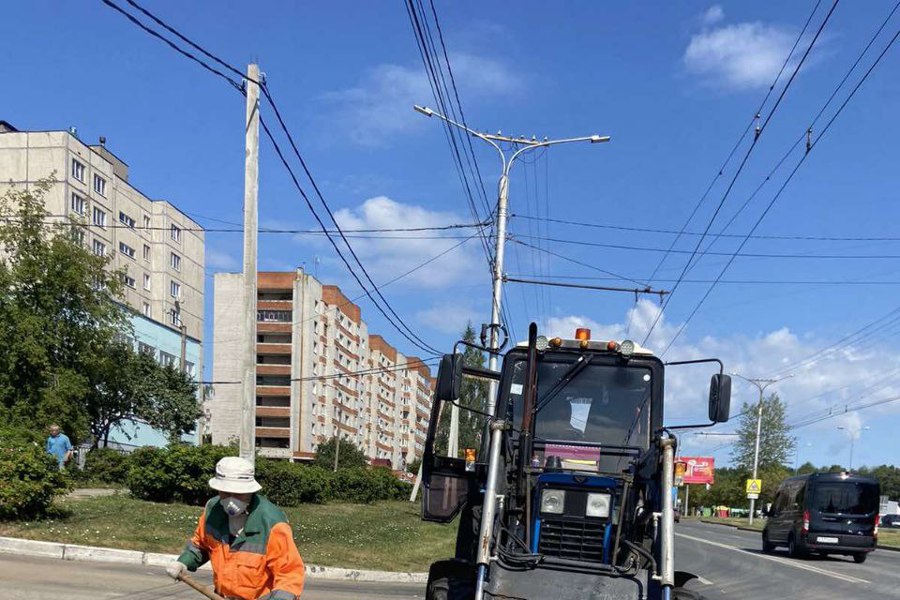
(733, 566)
(37, 578)
(728, 560)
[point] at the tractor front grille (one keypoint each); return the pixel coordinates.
(574, 539)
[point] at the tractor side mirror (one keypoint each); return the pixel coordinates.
(719, 398)
(449, 377)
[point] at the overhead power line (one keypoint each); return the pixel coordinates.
(742, 254)
(386, 310)
(837, 282)
(758, 133)
(603, 288)
(815, 238)
(810, 145)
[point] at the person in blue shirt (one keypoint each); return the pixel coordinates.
(58, 445)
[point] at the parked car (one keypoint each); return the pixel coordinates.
(825, 513)
(891, 521)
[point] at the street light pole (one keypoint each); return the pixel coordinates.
(761, 384)
(852, 440)
(519, 146)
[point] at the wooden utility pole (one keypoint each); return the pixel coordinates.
(251, 189)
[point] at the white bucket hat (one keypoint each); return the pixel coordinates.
(234, 475)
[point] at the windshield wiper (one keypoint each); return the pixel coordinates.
(565, 379)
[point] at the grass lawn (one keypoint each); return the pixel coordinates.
(886, 537)
(386, 536)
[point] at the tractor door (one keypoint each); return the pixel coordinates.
(451, 467)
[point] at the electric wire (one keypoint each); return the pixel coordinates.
(759, 131)
(813, 144)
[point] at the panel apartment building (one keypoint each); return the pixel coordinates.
(160, 248)
(319, 373)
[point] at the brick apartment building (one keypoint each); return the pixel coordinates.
(319, 373)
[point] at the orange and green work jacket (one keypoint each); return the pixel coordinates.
(262, 563)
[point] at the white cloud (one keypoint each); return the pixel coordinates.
(822, 387)
(740, 56)
(381, 104)
(220, 260)
(712, 15)
(393, 254)
(447, 317)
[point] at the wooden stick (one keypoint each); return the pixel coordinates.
(209, 593)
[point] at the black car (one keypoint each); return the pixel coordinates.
(890, 521)
(825, 513)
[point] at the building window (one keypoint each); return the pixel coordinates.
(175, 289)
(176, 233)
(126, 250)
(146, 349)
(128, 280)
(78, 235)
(175, 262)
(146, 252)
(174, 318)
(78, 170)
(128, 221)
(278, 316)
(77, 204)
(145, 308)
(166, 359)
(99, 248)
(100, 185)
(99, 217)
(146, 222)
(189, 368)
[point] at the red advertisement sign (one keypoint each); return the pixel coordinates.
(700, 469)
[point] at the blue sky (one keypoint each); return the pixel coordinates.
(674, 84)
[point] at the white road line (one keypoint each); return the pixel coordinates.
(784, 561)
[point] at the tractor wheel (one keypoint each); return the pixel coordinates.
(450, 580)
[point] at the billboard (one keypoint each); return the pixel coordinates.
(700, 469)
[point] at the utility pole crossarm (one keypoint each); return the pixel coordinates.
(520, 146)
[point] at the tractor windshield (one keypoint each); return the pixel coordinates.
(601, 403)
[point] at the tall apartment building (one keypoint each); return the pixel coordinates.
(158, 246)
(319, 373)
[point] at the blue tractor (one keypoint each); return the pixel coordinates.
(566, 493)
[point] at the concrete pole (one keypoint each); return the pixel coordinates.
(756, 452)
(183, 328)
(453, 438)
(497, 292)
(251, 189)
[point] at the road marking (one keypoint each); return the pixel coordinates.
(784, 561)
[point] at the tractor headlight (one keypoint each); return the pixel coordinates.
(553, 501)
(597, 505)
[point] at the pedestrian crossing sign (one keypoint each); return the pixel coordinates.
(754, 486)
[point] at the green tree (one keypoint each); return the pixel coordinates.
(59, 307)
(776, 445)
(349, 456)
(806, 468)
(473, 394)
(126, 385)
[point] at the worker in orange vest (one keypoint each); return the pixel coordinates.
(246, 538)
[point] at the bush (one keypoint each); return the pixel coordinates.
(176, 473)
(289, 484)
(29, 477)
(106, 465)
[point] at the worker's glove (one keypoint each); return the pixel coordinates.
(175, 569)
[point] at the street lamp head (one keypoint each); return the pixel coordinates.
(596, 139)
(424, 110)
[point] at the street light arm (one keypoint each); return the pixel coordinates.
(428, 112)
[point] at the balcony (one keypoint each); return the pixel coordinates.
(274, 370)
(273, 327)
(273, 432)
(268, 348)
(273, 411)
(273, 390)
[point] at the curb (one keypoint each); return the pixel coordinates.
(60, 551)
(877, 547)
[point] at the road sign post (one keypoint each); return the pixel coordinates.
(754, 488)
